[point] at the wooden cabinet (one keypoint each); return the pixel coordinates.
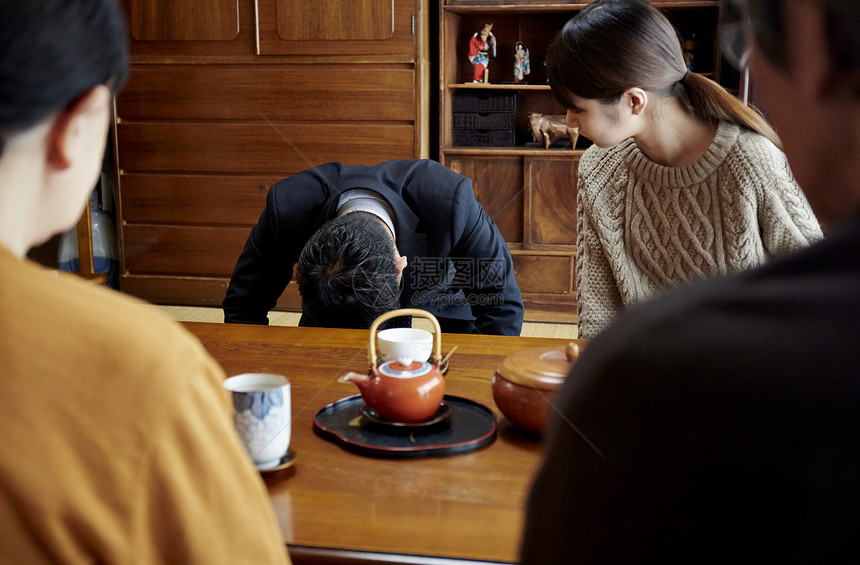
(529, 190)
(226, 97)
(378, 28)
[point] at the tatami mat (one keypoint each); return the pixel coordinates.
(196, 314)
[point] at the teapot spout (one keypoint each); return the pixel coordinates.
(359, 379)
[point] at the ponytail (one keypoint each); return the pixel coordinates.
(613, 45)
(711, 102)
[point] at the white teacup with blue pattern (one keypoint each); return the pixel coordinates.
(262, 415)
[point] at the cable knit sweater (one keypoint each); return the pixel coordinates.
(645, 227)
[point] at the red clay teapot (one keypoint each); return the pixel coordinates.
(402, 390)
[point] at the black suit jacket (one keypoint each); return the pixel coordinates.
(459, 267)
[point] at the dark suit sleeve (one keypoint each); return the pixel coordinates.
(262, 272)
(485, 271)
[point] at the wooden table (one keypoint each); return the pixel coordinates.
(335, 506)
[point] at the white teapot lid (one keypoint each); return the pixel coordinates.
(404, 368)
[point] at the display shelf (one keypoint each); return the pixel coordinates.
(495, 86)
(563, 153)
(535, 23)
(544, 6)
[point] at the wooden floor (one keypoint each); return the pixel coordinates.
(216, 315)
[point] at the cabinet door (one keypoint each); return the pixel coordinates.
(551, 211)
(497, 182)
(379, 28)
(188, 20)
(544, 273)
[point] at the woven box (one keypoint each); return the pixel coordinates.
(483, 138)
(483, 103)
(490, 120)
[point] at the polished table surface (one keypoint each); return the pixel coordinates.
(334, 505)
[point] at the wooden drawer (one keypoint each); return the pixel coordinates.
(543, 273)
(261, 93)
(257, 148)
(193, 199)
(182, 250)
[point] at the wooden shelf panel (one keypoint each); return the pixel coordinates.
(494, 86)
(548, 6)
(519, 150)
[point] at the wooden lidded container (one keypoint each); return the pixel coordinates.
(526, 383)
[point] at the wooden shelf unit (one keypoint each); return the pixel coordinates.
(531, 191)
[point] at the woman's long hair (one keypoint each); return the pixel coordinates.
(613, 45)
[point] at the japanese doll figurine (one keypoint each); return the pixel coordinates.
(521, 62)
(480, 46)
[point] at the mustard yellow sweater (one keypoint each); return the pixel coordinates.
(644, 227)
(117, 440)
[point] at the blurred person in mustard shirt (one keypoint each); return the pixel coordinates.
(118, 445)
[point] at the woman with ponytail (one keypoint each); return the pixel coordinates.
(684, 181)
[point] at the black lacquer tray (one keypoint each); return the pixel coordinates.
(470, 426)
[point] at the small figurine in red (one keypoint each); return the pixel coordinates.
(521, 62)
(480, 46)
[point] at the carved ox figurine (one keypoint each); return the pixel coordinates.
(551, 128)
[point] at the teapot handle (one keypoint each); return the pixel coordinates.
(437, 337)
